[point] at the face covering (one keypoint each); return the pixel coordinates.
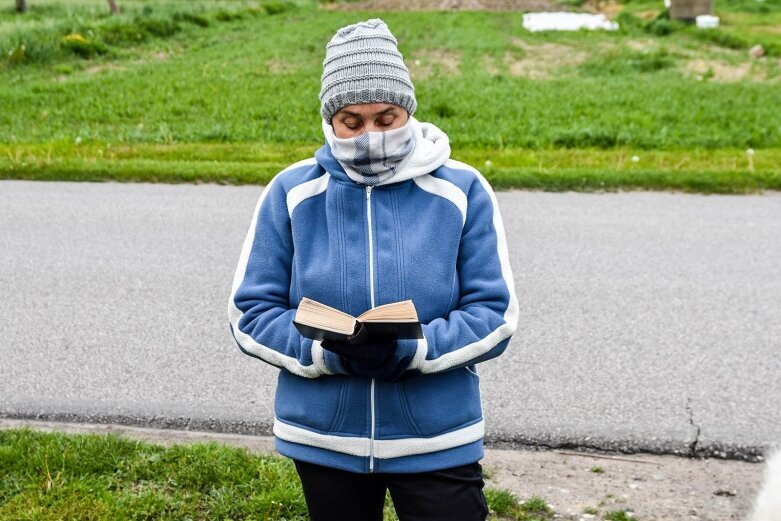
(372, 157)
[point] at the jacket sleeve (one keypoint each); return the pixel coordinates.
(261, 319)
(486, 314)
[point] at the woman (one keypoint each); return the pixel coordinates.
(379, 215)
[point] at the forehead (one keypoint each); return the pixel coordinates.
(367, 110)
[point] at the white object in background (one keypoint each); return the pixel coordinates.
(767, 505)
(561, 21)
(707, 21)
(668, 3)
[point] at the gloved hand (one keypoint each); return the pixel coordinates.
(373, 359)
(372, 352)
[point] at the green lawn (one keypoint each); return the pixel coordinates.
(226, 91)
(54, 476)
(708, 171)
(50, 476)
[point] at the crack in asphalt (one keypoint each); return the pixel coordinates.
(696, 441)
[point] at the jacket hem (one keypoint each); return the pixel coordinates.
(382, 448)
(453, 457)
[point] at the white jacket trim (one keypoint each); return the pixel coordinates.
(318, 357)
(304, 191)
(444, 189)
(234, 313)
(470, 351)
(383, 449)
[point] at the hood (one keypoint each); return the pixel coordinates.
(432, 150)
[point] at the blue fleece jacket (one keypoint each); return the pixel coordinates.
(432, 234)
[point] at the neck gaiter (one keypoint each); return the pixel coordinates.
(372, 157)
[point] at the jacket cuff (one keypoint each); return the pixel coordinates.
(333, 363)
(407, 352)
(406, 349)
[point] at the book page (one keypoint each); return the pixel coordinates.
(403, 311)
(316, 314)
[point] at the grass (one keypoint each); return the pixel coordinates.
(505, 504)
(709, 171)
(52, 476)
(179, 87)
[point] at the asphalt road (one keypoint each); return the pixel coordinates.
(649, 321)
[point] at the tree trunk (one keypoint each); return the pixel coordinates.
(21, 5)
(688, 10)
(112, 4)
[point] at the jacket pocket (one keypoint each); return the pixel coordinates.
(313, 403)
(443, 402)
(405, 408)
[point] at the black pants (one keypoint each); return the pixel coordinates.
(454, 494)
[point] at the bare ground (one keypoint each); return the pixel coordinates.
(609, 7)
(445, 5)
(669, 488)
(652, 488)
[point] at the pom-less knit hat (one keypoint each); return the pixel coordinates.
(363, 65)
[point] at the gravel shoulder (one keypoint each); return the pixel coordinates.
(650, 487)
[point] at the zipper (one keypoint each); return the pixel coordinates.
(371, 292)
(371, 441)
(371, 247)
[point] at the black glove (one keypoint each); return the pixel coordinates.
(373, 359)
(372, 353)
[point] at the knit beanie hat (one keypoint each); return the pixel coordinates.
(363, 65)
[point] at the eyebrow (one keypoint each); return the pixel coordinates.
(359, 115)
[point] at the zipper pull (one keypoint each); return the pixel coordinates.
(368, 192)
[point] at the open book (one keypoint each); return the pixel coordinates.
(320, 322)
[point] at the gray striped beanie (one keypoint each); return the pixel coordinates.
(363, 65)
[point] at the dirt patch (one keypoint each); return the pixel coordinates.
(640, 44)
(541, 61)
(721, 71)
(280, 66)
(154, 56)
(489, 65)
(726, 65)
(608, 7)
(653, 488)
(425, 62)
(95, 69)
(447, 5)
(91, 70)
(767, 29)
(647, 15)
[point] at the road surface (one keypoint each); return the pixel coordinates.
(649, 321)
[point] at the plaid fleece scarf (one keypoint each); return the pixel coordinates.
(372, 157)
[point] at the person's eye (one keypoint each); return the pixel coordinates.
(388, 120)
(352, 124)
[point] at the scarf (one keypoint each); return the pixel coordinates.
(373, 157)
